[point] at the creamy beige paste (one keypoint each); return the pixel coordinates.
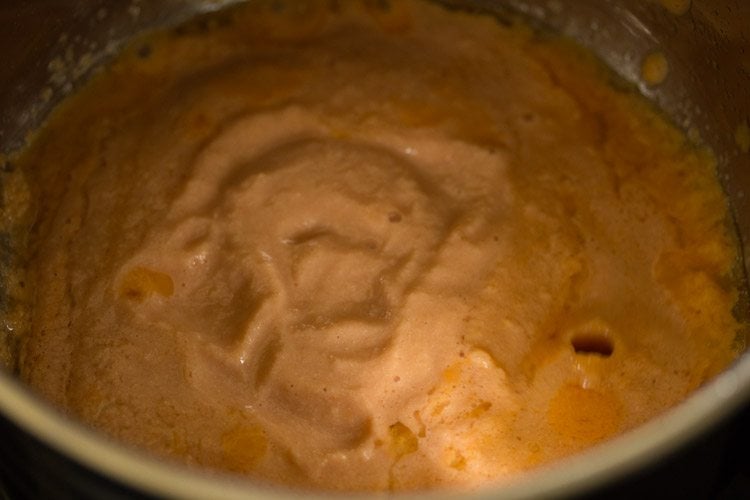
(340, 245)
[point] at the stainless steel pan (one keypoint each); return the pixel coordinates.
(707, 91)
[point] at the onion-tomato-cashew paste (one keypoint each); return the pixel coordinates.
(361, 246)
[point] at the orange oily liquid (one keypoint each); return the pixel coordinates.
(370, 248)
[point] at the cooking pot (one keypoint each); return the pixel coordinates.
(706, 92)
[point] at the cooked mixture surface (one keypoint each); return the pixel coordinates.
(346, 245)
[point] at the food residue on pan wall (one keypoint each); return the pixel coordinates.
(655, 68)
(677, 7)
